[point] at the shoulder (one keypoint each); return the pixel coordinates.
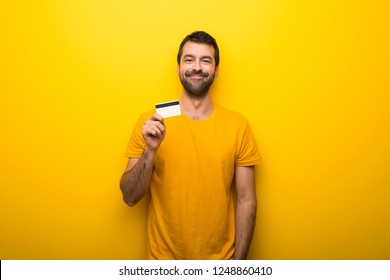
(144, 116)
(148, 114)
(231, 116)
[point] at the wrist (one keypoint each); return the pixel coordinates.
(149, 153)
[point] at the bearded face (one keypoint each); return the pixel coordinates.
(197, 69)
(196, 82)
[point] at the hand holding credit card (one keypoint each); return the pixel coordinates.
(168, 109)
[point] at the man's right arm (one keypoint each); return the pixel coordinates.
(136, 178)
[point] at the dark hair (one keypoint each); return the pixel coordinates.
(200, 37)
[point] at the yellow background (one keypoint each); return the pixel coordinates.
(311, 76)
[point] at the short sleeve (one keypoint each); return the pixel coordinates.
(136, 144)
(248, 153)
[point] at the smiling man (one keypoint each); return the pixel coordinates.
(192, 164)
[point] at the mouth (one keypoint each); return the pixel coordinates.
(196, 75)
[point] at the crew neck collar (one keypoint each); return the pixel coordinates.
(210, 117)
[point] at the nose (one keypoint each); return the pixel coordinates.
(196, 65)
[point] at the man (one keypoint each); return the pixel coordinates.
(191, 164)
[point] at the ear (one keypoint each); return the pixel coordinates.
(216, 72)
(178, 69)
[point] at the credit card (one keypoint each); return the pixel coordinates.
(168, 109)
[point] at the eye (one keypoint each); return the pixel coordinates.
(207, 61)
(188, 59)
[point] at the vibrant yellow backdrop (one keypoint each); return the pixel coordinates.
(311, 76)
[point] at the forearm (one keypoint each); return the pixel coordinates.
(135, 182)
(245, 225)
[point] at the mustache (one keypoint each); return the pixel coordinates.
(190, 73)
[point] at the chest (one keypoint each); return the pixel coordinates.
(211, 145)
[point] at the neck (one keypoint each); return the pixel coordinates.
(196, 108)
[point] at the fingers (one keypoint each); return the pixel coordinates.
(157, 117)
(154, 126)
(153, 131)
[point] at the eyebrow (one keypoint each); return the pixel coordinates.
(202, 57)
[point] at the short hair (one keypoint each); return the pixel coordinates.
(200, 37)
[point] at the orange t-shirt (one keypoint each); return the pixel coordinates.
(192, 212)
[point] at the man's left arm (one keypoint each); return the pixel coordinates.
(246, 209)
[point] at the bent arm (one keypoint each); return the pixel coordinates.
(136, 178)
(246, 209)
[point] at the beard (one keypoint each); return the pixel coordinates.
(196, 88)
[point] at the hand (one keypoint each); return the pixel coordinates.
(153, 131)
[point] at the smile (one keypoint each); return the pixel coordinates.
(196, 74)
(196, 77)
